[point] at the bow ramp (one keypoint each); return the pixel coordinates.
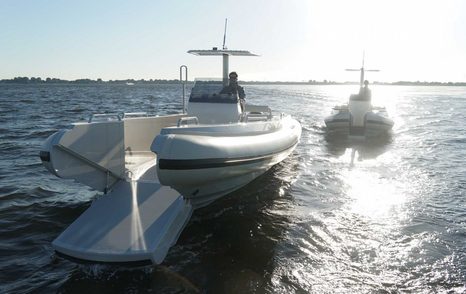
(137, 220)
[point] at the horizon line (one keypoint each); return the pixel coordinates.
(38, 80)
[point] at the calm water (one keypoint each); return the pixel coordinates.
(388, 216)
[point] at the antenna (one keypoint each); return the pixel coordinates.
(363, 56)
(362, 70)
(225, 53)
(225, 34)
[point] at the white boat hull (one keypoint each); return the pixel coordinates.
(156, 170)
(369, 122)
(204, 168)
(141, 216)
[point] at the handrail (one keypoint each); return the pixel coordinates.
(184, 83)
(255, 117)
(93, 164)
(256, 113)
(187, 119)
(92, 116)
(133, 114)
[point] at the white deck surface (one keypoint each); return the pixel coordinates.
(137, 220)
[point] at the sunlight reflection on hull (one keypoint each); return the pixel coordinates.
(137, 233)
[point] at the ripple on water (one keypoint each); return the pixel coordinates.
(335, 217)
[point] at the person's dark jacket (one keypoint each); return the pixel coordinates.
(234, 88)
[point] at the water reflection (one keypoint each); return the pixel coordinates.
(371, 194)
(370, 190)
(339, 241)
(359, 149)
(227, 247)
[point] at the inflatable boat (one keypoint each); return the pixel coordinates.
(155, 170)
(359, 117)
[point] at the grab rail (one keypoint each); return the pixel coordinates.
(184, 83)
(133, 114)
(93, 164)
(186, 120)
(256, 113)
(255, 117)
(103, 115)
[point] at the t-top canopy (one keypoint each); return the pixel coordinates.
(225, 54)
(216, 52)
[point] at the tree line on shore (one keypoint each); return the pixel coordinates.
(33, 80)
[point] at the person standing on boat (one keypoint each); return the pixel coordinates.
(365, 92)
(233, 87)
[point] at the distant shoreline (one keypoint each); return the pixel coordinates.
(35, 81)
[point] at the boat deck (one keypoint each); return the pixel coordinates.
(141, 166)
(138, 220)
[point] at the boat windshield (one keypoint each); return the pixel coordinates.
(209, 90)
(207, 86)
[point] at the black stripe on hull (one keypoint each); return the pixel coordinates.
(187, 164)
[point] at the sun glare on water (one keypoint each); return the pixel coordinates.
(371, 194)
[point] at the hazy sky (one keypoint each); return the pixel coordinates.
(298, 40)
